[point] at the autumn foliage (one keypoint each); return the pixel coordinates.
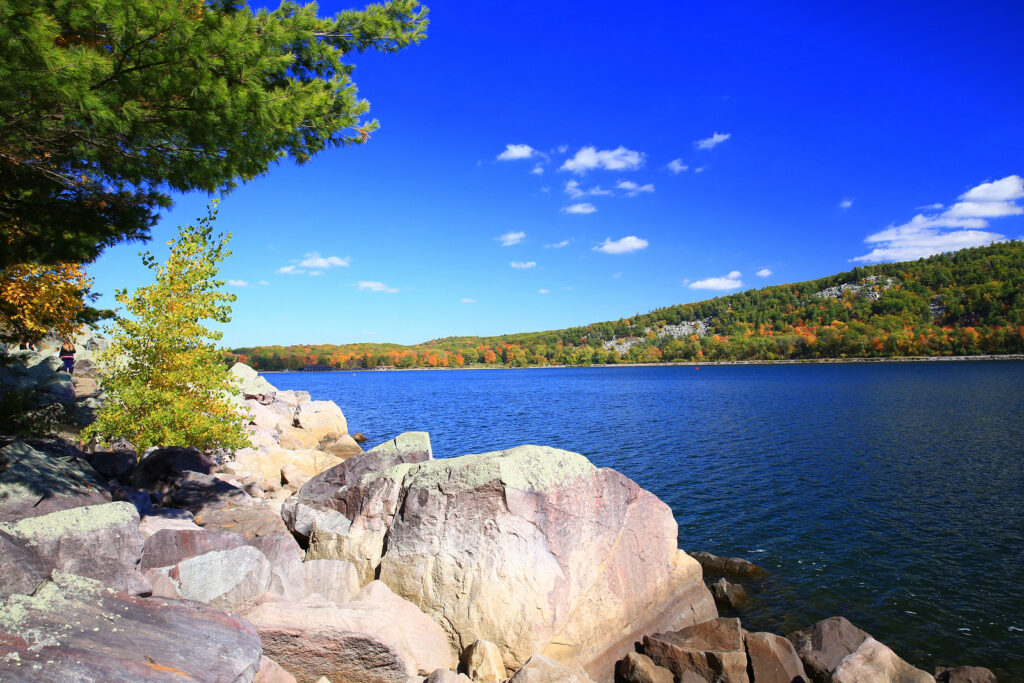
(40, 300)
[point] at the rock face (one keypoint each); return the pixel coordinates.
(836, 650)
(533, 548)
(712, 649)
(773, 659)
(541, 669)
(33, 483)
(638, 668)
(74, 629)
(223, 578)
(97, 541)
(377, 638)
(21, 569)
(170, 546)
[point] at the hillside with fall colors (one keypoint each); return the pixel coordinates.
(969, 302)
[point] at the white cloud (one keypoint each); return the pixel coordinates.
(467, 300)
(616, 276)
(958, 227)
(677, 166)
(846, 204)
(557, 245)
(516, 152)
(374, 286)
(764, 272)
(632, 189)
(699, 169)
(238, 283)
(582, 208)
(572, 188)
(730, 281)
(538, 170)
(314, 273)
(543, 291)
(622, 246)
(562, 149)
(931, 207)
(523, 265)
(590, 158)
(291, 270)
(1007, 189)
(315, 260)
(263, 283)
(714, 141)
(510, 238)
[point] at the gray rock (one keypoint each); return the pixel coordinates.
(773, 659)
(541, 669)
(712, 649)
(168, 547)
(97, 541)
(223, 578)
(21, 569)
(75, 629)
(301, 519)
(638, 668)
(34, 483)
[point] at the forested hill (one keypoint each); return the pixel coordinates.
(962, 303)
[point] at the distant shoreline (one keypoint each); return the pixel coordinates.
(794, 361)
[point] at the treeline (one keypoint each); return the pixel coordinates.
(968, 302)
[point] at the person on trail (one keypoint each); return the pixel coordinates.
(67, 354)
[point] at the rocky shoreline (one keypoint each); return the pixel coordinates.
(305, 558)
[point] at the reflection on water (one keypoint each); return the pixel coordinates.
(892, 493)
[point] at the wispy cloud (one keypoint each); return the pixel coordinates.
(523, 265)
(557, 245)
(538, 170)
(581, 208)
(633, 189)
(510, 238)
(575, 191)
(846, 204)
(764, 272)
(958, 227)
(622, 246)
(263, 283)
(699, 169)
(590, 158)
(290, 270)
(516, 152)
(238, 283)
(374, 286)
(543, 291)
(315, 260)
(714, 141)
(677, 166)
(467, 300)
(721, 284)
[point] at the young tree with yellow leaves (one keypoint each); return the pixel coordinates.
(165, 379)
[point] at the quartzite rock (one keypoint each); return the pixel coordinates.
(875, 662)
(638, 668)
(202, 493)
(74, 629)
(482, 662)
(21, 570)
(96, 541)
(728, 594)
(170, 546)
(541, 669)
(532, 548)
(34, 483)
(964, 674)
(823, 647)
(249, 381)
(272, 672)
(447, 676)
(223, 578)
(287, 575)
(321, 419)
(773, 659)
(735, 566)
(332, 580)
(712, 649)
(166, 518)
(377, 638)
(343, 446)
(160, 467)
(258, 519)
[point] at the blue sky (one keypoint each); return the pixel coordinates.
(541, 165)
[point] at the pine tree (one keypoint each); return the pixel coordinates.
(165, 380)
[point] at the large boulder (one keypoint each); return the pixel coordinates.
(249, 381)
(21, 568)
(201, 493)
(34, 483)
(75, 629)
(222, 578)
(158, 468)
(773, 659)
(836, 650)
(638, 668)
(532, 548)
(322, 419)
(711, 649)
(268, 462)
(964, 674)
(541, 669)
(170, 546)
(377, 638)
(483, 663)
(251, 521)
(96, 541)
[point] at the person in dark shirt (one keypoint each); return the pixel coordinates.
(67, 354)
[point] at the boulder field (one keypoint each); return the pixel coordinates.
(306, 559)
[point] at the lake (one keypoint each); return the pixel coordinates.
(889, 493)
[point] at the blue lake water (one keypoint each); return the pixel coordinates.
(889, 493)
